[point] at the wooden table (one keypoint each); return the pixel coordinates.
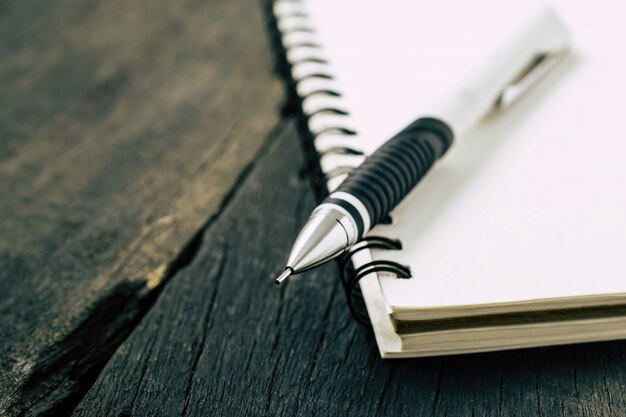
(149, 191)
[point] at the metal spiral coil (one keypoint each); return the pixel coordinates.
(323, 115)
(351, 276)
(320, 102)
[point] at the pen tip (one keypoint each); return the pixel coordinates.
(283, 276)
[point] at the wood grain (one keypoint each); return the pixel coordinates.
(222, 340)
(124, 126)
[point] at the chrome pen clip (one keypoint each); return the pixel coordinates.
(548, 43)
(539, 66)
(523, 57)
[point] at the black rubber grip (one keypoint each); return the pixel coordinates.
(390, 173)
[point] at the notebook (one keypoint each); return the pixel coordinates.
(516, 237)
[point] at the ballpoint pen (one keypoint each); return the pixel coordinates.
(375, 187)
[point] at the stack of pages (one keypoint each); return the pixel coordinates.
(517, 237)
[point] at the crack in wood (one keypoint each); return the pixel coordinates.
(142, 374)
(438, 388)
(124, 298)
(205, 325)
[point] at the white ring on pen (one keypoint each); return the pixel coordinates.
(356, 203)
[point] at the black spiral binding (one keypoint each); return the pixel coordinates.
(351, 276)
(288, 21)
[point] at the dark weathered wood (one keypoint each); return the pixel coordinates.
(123, 127)
(223, 340)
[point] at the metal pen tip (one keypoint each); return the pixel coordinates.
(283, 276)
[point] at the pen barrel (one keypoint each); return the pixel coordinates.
(394, 169)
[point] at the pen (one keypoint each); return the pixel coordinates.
(375, 187)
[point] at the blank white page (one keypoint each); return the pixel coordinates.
(532, 203)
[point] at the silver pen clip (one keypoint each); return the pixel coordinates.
(536, 69)
(523, 57)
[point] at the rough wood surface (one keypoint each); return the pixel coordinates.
(222, 340)
(123, 128)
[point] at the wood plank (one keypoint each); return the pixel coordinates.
(223, 340)
(124, 126)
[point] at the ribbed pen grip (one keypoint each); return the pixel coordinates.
(391, 172)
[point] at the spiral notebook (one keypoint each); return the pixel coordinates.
(516, 238)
